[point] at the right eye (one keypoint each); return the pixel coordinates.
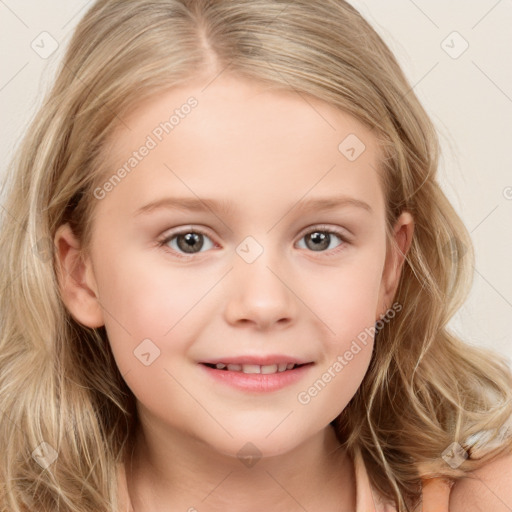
(185, 243)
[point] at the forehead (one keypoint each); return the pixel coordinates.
(239, 140)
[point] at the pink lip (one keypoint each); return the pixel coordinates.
(257, 382)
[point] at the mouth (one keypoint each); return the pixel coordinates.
(267, 369)
(257, 374)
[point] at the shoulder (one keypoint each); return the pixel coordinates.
(488, 488)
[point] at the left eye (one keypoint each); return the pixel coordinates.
(320, 240)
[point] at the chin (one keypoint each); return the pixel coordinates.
(251, 451)
(255, 444)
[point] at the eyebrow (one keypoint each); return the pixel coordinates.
(227, 207)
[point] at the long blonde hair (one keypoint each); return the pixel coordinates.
(59, 385)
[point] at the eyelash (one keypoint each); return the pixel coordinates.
(321, 229)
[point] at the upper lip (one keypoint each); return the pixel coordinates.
(259, 360)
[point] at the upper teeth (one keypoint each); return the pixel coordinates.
(256, 368)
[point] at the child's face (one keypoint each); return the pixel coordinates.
(254, 285)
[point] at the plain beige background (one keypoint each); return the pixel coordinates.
(458, 58)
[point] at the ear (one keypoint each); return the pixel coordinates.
(395, 257)
(77, 284)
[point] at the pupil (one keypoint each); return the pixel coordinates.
(190, 240)
(320, 240)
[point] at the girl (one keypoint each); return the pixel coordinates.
(298, 357)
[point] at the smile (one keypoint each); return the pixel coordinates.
(255, 368)
(256, 378)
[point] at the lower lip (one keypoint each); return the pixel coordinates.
(258, 382)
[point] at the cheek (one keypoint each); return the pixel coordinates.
(334, 384)
(346, 298)
(146, 302)
(348, 305)
(148, 314)
(348, 308)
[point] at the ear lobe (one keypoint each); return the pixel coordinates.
(403, 232)
(76, 279)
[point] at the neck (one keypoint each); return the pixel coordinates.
(171, 471)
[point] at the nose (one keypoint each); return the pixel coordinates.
(260, 294)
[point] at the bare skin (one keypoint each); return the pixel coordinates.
(265, 152)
